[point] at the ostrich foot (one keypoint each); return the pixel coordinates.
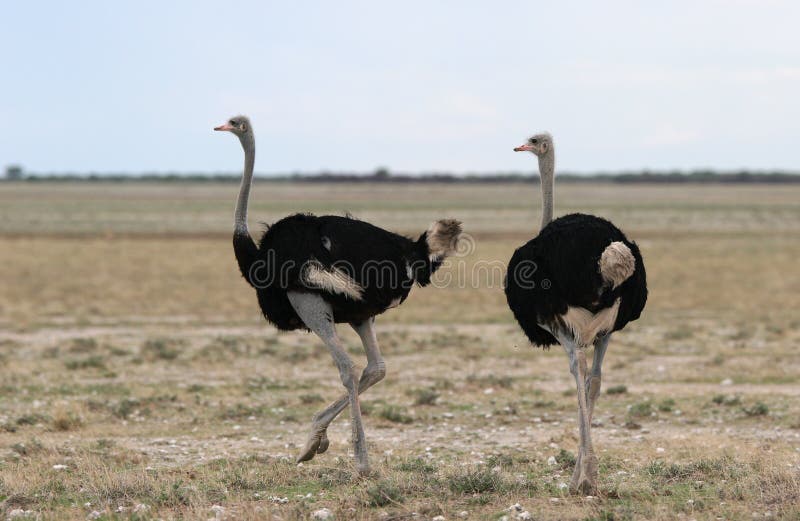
(584, 478)
(317, 444)
(364, 470)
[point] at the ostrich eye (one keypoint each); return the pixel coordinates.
(232, 123)
(533, 141)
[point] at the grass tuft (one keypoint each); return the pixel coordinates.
(640, 410)
(617, 389)
(161, 349)
(394, 414)
(424, 396)
(723, 399)
(757, 409)
(420, 465)
(91, 362)
(64, 420)
(384, 493)
(666, 405)
(475, 481)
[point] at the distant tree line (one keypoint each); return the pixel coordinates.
(383, 175)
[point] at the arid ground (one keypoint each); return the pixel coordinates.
(139, 381)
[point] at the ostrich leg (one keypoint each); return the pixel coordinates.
(592, 385)
(374, 372)
(584, 479)
(594, 380)
(317, 315)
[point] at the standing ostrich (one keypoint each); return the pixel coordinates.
(312, 272)
(574, 284)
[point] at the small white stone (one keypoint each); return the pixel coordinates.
(59, 467)
(554, 500)
(660, 449)
(463, 514)
(19, 513)
(551, 460)
(516, 507)
(562, 486)
(524, 516)
(438, 518)
(488, 390)
(141, 507)
(726, 381)
(322, 514)
(94, 514)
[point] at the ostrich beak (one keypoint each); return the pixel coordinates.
(524, 148)
(224, 127)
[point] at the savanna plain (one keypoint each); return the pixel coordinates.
(139, 381)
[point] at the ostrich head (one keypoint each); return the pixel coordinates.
(238, 125)
(539, 144)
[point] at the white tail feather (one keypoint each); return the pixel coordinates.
(442, 238)
(332, 280)
(617, 263)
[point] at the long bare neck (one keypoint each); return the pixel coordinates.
(240, 216)
(547, 166)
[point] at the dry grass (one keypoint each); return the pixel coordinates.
(135, 369)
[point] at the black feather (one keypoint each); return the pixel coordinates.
(376, 259)
(559, 268)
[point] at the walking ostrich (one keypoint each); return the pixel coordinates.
(574, 284)
(311, 272)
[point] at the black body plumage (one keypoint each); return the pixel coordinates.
(383, 264)
(559, 268)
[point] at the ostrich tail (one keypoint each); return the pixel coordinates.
(246, 253)
(438, 242)
(617, 263)
(441, 238)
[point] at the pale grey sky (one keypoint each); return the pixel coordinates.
(413, 85)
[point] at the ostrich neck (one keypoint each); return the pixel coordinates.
(547, 165)
(240, 216)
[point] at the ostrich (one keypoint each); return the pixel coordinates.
(574, 284)
(312, 272)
